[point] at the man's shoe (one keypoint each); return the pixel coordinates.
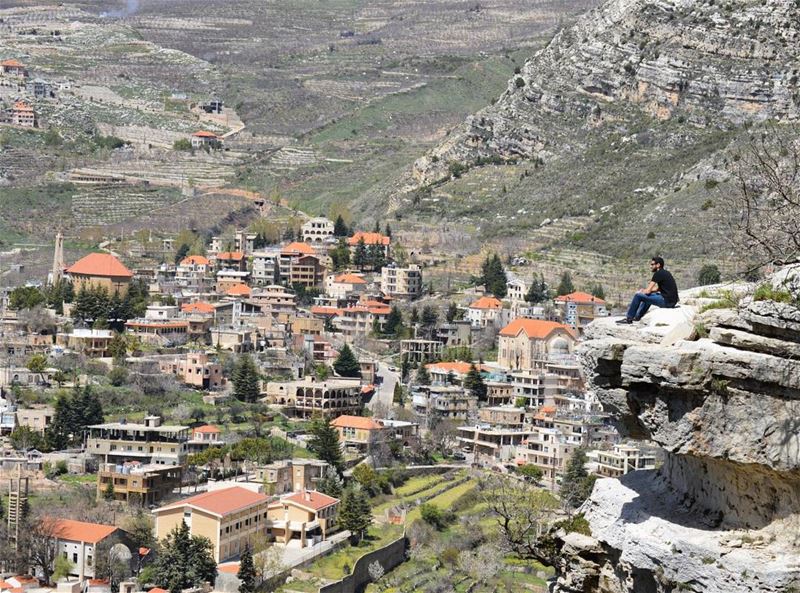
(624, 321)
(637, 318)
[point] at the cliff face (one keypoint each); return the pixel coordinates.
(723, 512)
(708, 63)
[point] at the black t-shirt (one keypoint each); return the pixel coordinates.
(666, 286)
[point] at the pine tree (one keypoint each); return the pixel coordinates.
(388, 231)
(598, 291)
(414, 318)
(452, 312)
(475, 384)
(184, 560)
(340, 255)
(376, 256)
(493, 276)
(355, 514)
(247, 571)
(394, 322)
(576, 483)
(422, 377)
(245, 379)
(340, 227)
(537, 291)
(324, 443)
(360, 256)
(565, 286)
(331, 484)
(346, 364)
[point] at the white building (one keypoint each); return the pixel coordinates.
(317, 230)
(621, 460)
(78, 542)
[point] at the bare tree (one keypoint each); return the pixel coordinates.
(38, 538)
(766, 204)
(523, 512)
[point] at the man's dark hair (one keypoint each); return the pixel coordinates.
(659, 261)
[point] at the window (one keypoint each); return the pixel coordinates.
(89, 560)
(74, 557)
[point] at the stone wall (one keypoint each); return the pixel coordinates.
(389, 557)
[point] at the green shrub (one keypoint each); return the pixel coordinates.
(182, 144)
(766, 292)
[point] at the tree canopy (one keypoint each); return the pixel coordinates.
(245, 378)
(324, 443)
(184, 560)
(346, 364)
(565, 286)
(493, 276)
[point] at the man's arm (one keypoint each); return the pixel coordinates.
(651, 288)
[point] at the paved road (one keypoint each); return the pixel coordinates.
(385, 391)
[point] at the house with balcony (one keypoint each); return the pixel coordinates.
(138, 483)
(401, 282)
(579, 309)
(150, 442)
(484, 312)
(305, 397)
(444, 401)
(620, 460)
(291, 475)
(307, 517)
(317, 230)
(203, 437)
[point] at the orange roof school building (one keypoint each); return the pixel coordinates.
(232, 517)
(100, 270)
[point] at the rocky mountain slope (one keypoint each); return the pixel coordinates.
(723, 512)
(634, 109)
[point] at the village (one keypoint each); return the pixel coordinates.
(282, 346)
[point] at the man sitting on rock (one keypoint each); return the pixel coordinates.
(662, 291)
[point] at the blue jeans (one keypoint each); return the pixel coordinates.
(640, 303)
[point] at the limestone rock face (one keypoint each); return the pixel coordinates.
(702, 61)
(723, 512)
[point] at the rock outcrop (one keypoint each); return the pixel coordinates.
(707, 63)
(723, 512)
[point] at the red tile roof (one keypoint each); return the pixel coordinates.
(487, 303)
(100, 264)
(197, 260)
(350, 279)
(296, 248)
(22, 106)
(205, 134)
(358, 422)
(229, 568)
(311, 499)
(230, 255)
(12, 63)
(533, 328)
(4, 585)
(197, 307)
(321, 310)
(221, 502)
(458, 367)
(160, 590)
(207, 429)
(239, 289)
(580, 297)
(369, 239)
(79, 531)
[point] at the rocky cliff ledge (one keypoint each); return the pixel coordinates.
(723, 512)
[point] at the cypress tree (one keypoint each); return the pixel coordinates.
(398, 397)
(346, 364)
(340, 227)
(247, 571)
(360, 255)
(355, 514)
(394, 322)
(537, 291)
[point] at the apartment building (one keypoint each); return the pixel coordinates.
(150, 442)
(230, 518)
(192, 273)
(37, 418)
(579, 309)
(401, 282)
(359, 320)
(620, 460)
(159, 333)
(195, 369)
(307, 396)
(140, 483)
(299, 264)
(358, 432)
(344, 286)
(444, 401)
(455, 333)
(265, 270)
(484, 311)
